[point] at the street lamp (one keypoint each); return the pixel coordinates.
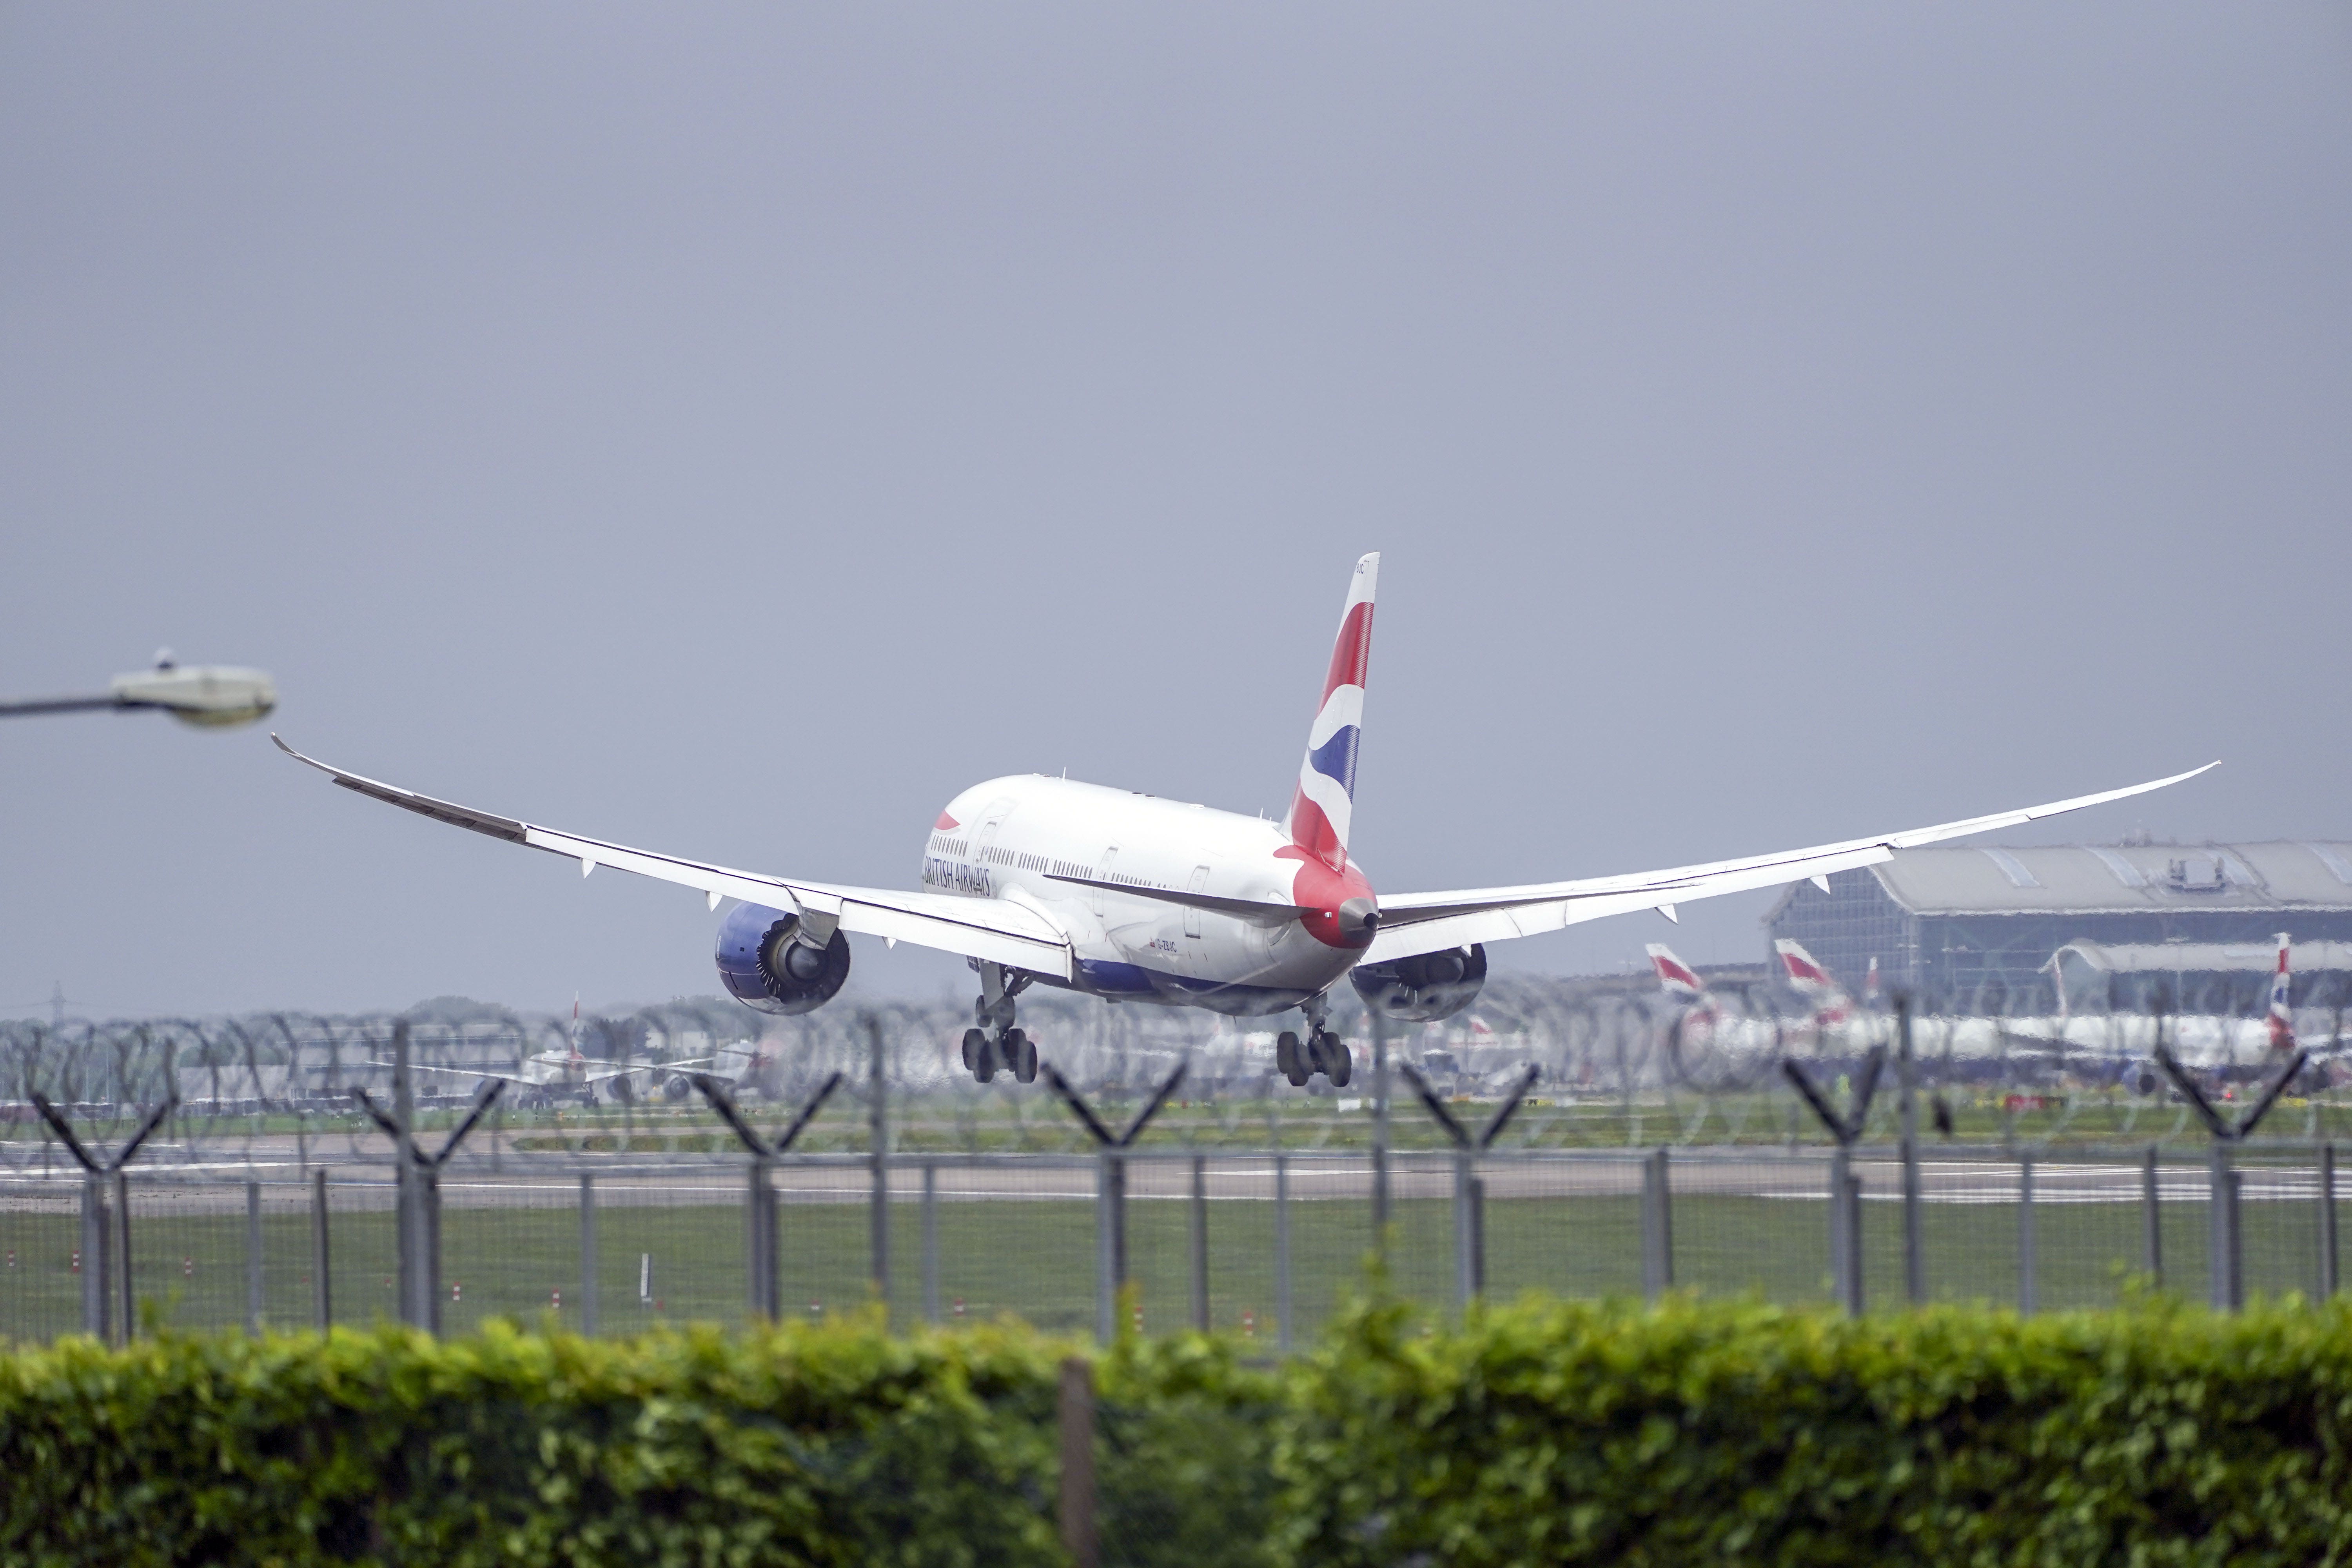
(209, 696)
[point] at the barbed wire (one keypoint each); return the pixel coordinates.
(1617, 1062)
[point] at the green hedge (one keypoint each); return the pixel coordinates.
(1541, 1432)
(1747, 1433)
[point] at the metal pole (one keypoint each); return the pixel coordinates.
(427, 1187)
(322, 1299)
(1282, 1252)
(2029, 1270)
(2151, 1217)
(126, 1325)
(2228, 1285)
(2326, 1220)
(588, 1271)
(1915, 1252)
(416, 1307)
(97, 1241)
(1379, 1132)
(253, 1279)
(878, 1123)
(1200, 1239)
(1845, 1228)
(1657, 1227)
(1465, 1267)
(1478, 1235)
(1110, 1245)
(766, 1284)
(931, 1241)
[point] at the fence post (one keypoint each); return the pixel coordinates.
(877, 1237)
(1477, 1234)
(588, 1269)
(1915, 1250)
(1657, 1227)
(1379, 1022)
(1465, 1232)
(322, 1299)
(766, 1281)
(2152, 1217)
(127, 1304)
(254, 1300)
(1076, 1419)
(2228, 1278)
(1200, 1240)
(427, 1188)
(97, 1241)
(1845, 1230)
(2326, 1221)
(1282, 1252)
(2029, 1270)
(1110, 1242)
(418, 1306)
(931, 1241)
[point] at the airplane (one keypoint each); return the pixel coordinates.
(2282, 1017)
(547, 1074)
(1682, 984)
(1130, 898)
(1809, 978)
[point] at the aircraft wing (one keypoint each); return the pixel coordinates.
(1427, 922)
(995, 930)
(479, 1074)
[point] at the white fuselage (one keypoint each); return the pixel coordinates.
(1013, 837)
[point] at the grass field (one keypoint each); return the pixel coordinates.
(1035, 1258)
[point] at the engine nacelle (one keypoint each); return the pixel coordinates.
(761, 966)
(1424, 987)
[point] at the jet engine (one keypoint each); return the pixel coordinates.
(1424, 987)
(762, 966)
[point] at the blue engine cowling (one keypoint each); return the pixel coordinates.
(761, 966)
(1424, 987)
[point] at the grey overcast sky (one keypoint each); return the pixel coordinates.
(732, 430)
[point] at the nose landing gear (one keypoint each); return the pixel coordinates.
(997, 1044)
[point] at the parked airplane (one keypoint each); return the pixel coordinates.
(1809, 978)
(545, 1077)
(2282, 1016)
(1682, 985)
(1124, 896)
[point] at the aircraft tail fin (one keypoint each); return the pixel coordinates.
(1803, 971)
(1321, 810)
(2282, 1016)
(1676, 978)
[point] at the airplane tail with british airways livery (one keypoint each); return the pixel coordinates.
(1119, 894)
(2282, 1015)
(1324, 807)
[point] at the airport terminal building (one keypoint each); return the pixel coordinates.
(1977, 928)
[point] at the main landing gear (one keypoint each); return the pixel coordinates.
(1322, 1051)
(997, 1044)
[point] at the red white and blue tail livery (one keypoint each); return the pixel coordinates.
(1118, 894)
(1325, 806)
(2282, 1016)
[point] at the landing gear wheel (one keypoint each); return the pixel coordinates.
(985, 1061)
(1019, 1052)
(974, 1043)
(1286, 1059)
(1338, 1063)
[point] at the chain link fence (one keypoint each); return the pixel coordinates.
(1654, 1150)
(1259, 1245)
